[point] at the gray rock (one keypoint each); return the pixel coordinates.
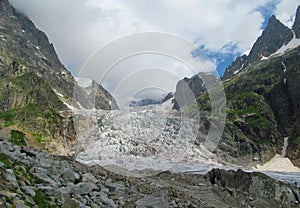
(156, 200)
(10, 176)
(28, 190)
(88, 177)
(71, 203)
(48, 190)
(84, 188)
(65, 190)
(19, 204)
(104, 199)
(117, 188)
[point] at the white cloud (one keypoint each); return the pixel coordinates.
(285, 11)
(78, 27)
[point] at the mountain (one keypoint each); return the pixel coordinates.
(263, 100)
(273, 38)
(36, 90)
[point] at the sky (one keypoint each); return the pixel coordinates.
(222, 29)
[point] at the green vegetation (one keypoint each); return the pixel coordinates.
(42, 200)
(39, 137)
(17, 138)
(39, 120)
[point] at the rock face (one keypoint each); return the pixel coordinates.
(255, 189)
(273, 37)
(189, 89)
(34, 85)
(31, 178)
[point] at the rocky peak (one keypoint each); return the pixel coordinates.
(187, 89)
(38, 38)
(296, 26)
(273, 37)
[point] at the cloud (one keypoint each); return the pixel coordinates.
(285, 11)
(79, 27)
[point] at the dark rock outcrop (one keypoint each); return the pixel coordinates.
(255, 189)
(189, 89)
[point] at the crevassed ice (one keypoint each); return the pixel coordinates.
(144, 138)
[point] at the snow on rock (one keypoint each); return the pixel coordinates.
(59, 94)
(264, 58)
(284, 67)
(83, 82)
(294, 43)
(236, 72)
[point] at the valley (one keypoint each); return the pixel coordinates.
(65, 141)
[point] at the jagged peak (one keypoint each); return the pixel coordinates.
(274, 22)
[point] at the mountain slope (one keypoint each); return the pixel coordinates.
(263, 108)
(36, 90)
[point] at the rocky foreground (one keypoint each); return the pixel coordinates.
(30, 178)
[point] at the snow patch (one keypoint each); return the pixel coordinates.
(294, 43)
(264, 58)
(71, 107)
(285, 146)
(83, 82)
(59, 94)
(279, 164)
(284, 67)
(236, 72)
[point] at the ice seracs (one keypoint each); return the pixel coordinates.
(151, 137)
